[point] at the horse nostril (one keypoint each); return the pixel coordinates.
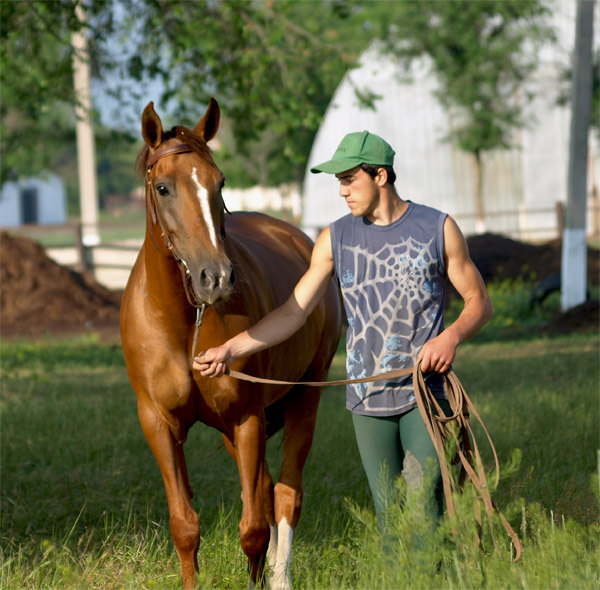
(231, 276)
(226, 279)
(207, 280)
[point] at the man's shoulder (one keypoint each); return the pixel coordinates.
(344, 218)
(341, 222)
(427, 210)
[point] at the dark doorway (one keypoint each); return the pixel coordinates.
(29, 205)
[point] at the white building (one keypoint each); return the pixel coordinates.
(522, 186)
(33, 201)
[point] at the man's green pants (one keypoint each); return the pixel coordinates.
(385, 442)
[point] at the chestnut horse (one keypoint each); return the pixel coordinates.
(201, 277)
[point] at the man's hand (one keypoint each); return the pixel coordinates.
(280, 323)
(213, 362)
(439, 353)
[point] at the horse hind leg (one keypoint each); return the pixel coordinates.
(300, 419)
(183, 518)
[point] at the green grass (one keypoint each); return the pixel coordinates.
(83, 506)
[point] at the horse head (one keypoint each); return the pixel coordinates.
(184, 188)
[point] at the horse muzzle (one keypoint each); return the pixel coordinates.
(213, 283)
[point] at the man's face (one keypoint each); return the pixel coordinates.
(359, 190)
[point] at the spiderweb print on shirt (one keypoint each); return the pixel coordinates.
(392, 301)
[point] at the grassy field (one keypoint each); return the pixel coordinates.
(83, 504)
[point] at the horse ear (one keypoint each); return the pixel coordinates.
(208, 125)
(151, 126)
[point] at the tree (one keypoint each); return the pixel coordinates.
(36, 82)
(477, 51)
(272, 65)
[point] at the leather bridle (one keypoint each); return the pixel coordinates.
(186, 276)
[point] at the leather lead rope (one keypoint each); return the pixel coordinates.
(441, 431)
(467, 452)
(385, 376)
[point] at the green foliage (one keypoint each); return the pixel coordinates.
(116, 153)
(478, 52)
(565, 95)
(36, 83)
(272, 65)
(513, 308)
(36, 47)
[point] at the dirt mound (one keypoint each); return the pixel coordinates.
(38, 296)
(581, 318)
(499, 257)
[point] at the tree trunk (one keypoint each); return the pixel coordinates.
(480, 225)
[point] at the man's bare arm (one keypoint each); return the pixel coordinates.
(279, 324)
(439, 353)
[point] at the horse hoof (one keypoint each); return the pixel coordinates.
(280, 581)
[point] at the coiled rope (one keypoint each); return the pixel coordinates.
(443, 430)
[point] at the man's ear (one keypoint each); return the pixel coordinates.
(382, 176)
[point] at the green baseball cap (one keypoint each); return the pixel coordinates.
(355, 149)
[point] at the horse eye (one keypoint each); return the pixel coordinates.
(162, 190)
(222, 183)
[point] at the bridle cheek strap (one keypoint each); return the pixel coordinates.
(181, 148)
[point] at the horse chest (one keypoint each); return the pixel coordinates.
(221, 401)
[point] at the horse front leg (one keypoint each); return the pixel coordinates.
(249, 443)
(268, 503)
(183, 519)
(269, 508)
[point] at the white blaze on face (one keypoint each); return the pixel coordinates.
(204, 204)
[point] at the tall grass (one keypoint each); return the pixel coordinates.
(83, 504)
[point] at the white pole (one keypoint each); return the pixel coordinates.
(86, 154)
(574, 251)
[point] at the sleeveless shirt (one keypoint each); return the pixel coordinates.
(392, 280)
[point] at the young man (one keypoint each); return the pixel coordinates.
(390, 257)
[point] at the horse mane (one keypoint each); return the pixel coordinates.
(187, 136)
